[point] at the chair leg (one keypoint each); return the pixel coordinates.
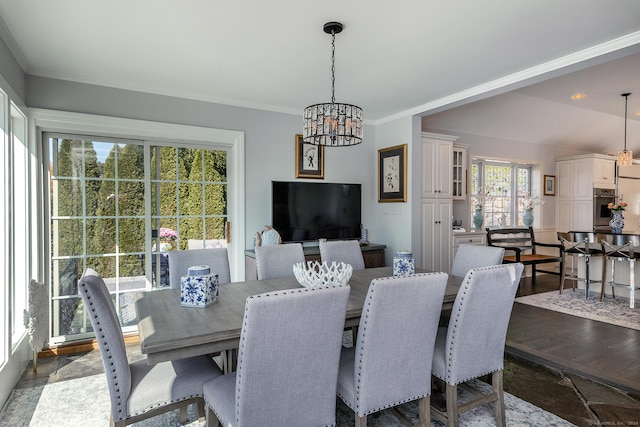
(451, 395)
(212, 420)
(183, 414)
(496, 380)
(424, 409)
(603, 288)
(563, 273)
(200, 408)
(360, 421)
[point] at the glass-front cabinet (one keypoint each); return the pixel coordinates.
(459, 165)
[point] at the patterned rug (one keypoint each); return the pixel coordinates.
(613, 311)
(85, 401)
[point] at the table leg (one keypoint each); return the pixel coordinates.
(586, 277)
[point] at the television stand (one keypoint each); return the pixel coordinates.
(372, 253)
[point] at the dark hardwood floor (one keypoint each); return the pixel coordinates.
(599, 351)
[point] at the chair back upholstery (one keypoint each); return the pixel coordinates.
(289, 355)
(469, 257)
(477, 329)
(347, 251)
(386, 361)
(99, 307)
(277, 260)
(180, 261)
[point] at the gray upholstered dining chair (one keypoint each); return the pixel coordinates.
(180, 261)
(138, 390)
(473, 344)
(395, 342)
(277, 260)
(288, 361)
(469, 257)
(347, 251)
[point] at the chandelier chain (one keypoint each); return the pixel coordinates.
(626, 101)
(333, 66)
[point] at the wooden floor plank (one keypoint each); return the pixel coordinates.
(596, 350)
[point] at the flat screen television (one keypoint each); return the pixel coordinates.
(305, 211)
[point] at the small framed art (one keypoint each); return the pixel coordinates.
(309, 159)
(549, 185)
(392, 174)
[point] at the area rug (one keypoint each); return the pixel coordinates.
(614, 311)
(85, 401)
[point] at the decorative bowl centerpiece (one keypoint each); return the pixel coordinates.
(315, 274)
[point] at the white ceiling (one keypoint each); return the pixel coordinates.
(392, 59)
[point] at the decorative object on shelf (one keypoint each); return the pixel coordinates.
(168, 239)
(478, 218)
(528, 201)
(549, 185)
(528, 217)
(617, 220)
(403, 264)
(392, 174)
(269, 237)
(364, 235)
(315, 274)
(625, 157)
(199, 288)
(331, 123)
(309, 159)
(481, 197)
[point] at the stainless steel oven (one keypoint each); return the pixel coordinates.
(601, 212)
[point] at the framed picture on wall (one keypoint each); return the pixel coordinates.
(309, 159)
(549, 185)
(392, 174)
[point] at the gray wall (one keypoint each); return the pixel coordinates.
(269, 138)
(11, 72)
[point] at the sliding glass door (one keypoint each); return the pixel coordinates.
(117, 206)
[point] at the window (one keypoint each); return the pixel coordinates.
(506, 183)
(111, 204)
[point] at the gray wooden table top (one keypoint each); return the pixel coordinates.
(170, 331)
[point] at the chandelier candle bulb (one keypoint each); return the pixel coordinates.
(403, 264)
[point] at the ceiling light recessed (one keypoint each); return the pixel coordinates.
(578, 96)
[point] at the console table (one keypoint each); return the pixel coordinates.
(372, 253)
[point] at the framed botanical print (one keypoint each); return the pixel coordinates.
(392, 174)
(549, 185)
(309, 159)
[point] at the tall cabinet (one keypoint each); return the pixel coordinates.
(577, 176)
(437, 199)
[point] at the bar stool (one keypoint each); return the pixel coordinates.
(620, 248)
(577, 244)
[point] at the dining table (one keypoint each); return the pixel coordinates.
(170, 331)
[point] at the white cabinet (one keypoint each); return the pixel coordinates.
(459, 170)
(468, 238)
(437, 200)
(604, 173)
(437, 158)
(564, 182)
(436, 235)
(577, 176)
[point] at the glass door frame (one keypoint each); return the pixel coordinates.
(152, 133)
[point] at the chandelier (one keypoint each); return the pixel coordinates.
(331, 123)
(625, 157)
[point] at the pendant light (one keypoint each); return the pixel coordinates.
(331, 123)
(625, 157)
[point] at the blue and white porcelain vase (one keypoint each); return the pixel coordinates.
(528, 218)
(617, 222)
(478, 219)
